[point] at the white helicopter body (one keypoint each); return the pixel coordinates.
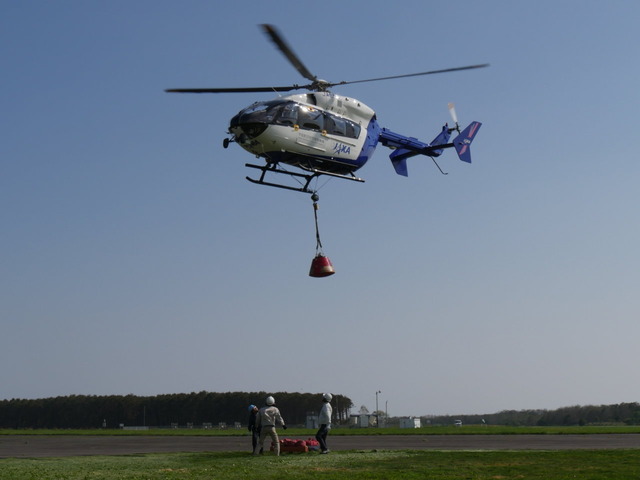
(322, 133)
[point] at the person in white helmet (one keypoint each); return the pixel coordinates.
(324, 420)
(267, 419)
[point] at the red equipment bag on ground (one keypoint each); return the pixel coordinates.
(312, 444)
(288, 445)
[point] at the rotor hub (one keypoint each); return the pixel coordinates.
(321, 85)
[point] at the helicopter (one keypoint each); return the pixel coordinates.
(322, 133)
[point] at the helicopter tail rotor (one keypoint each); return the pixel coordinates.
(454, 117)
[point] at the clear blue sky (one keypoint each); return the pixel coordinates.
(137, 259)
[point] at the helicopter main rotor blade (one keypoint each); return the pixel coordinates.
(275, 36)
(238, 89)
(317, 85)
(455, 69)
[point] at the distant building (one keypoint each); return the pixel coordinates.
(410, 422)
(363, 420)
(311, 421)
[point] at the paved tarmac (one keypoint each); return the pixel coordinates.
(32, 446)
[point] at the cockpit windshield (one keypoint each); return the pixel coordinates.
(259, 113)
(305, 117)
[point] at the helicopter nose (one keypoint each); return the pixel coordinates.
(239, 134)
(253, 130)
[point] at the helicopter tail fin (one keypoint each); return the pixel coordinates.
(399, 160)
(463, 141)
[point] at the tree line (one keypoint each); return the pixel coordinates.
(182, 409)
(627, 413)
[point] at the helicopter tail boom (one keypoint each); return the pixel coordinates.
(407, 147)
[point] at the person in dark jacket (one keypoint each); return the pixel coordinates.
(324, 420)
(255, 431)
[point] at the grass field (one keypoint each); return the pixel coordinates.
(347, 465)
(344, 465)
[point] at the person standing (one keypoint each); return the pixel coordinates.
(267, 419)
(255, 432)
(324, 420)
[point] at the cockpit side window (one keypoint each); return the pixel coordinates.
(306, 117)
(353, 130)
(288, 114)
(311, 119)
(336, 125)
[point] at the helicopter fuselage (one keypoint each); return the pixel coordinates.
(327, 134)
(323, 133)
(314, 131)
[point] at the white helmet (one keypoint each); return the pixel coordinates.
(270, 400)
(327, 397)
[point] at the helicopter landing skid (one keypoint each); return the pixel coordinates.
(314, 173)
